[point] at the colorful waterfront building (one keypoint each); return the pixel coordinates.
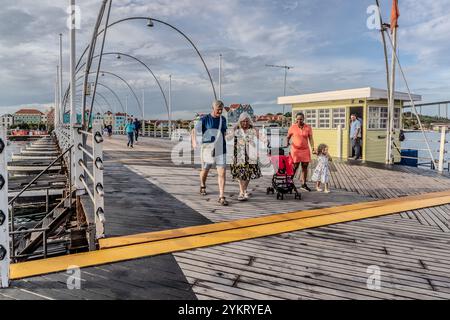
(120, 120)
(325, 112)
(50, 114)
(98, 118)
(234, 111)
(7, 120)
(28, 116)
(66, 118)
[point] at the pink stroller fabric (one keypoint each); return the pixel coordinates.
(283, 165)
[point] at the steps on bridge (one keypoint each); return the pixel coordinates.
(51, 222)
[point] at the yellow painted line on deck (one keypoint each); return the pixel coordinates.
(222, 226)
(221, 233)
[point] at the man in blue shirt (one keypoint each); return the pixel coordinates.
(212, 129)
(356, 135)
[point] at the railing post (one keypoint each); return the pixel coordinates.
(77, 155)
(4, 221)
(442, 149)
(154, 130)
(339, 141)
(98, 167)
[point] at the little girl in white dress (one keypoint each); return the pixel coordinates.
(321, 174)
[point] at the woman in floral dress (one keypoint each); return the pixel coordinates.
(245, 165)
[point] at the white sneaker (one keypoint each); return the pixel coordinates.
(242, 197)
(327, 191)
(247, 195)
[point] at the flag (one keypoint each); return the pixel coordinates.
(395, 14)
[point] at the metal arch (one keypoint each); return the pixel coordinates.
(106, 101)
(115, 94)
(112, 91)
(123, 80)
(142, 63)
(128, 85)
(170, 26)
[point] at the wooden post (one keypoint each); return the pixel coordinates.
(339, 142)
(442, 149)
(4, 220)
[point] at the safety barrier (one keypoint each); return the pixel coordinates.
(86, 162)
(91, 173)
(4, 220)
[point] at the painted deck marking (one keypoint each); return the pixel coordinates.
(152, 244)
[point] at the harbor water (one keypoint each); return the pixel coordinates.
(416, 141)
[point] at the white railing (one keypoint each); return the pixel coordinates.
(440, 162)
(438, 145)
(86, 162)
(91, 167)
(4, 220)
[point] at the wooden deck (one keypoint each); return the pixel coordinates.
(145, 192)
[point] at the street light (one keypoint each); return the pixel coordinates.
(286, 69)
(150, 23)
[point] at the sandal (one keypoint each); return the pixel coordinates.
(223, 201)
(203, 191)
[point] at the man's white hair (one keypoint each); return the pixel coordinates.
(218, 104)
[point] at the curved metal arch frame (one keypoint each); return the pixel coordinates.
(139, 61)
(123, 80)
(106, 101)
(112, 91)
(98, 104)
(170, 26)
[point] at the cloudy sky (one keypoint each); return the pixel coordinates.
(327, 42)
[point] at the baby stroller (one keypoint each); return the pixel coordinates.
(283, 179)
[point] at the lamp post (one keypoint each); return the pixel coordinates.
(60, 89)
(126, 108)
(286, 69)
(143, 104)
(220, 77)
(57, 99)
(170, 106)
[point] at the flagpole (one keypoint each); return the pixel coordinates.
(383, 29)
(391, 110)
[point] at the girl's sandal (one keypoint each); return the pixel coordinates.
(223, 201)
(203, 191)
